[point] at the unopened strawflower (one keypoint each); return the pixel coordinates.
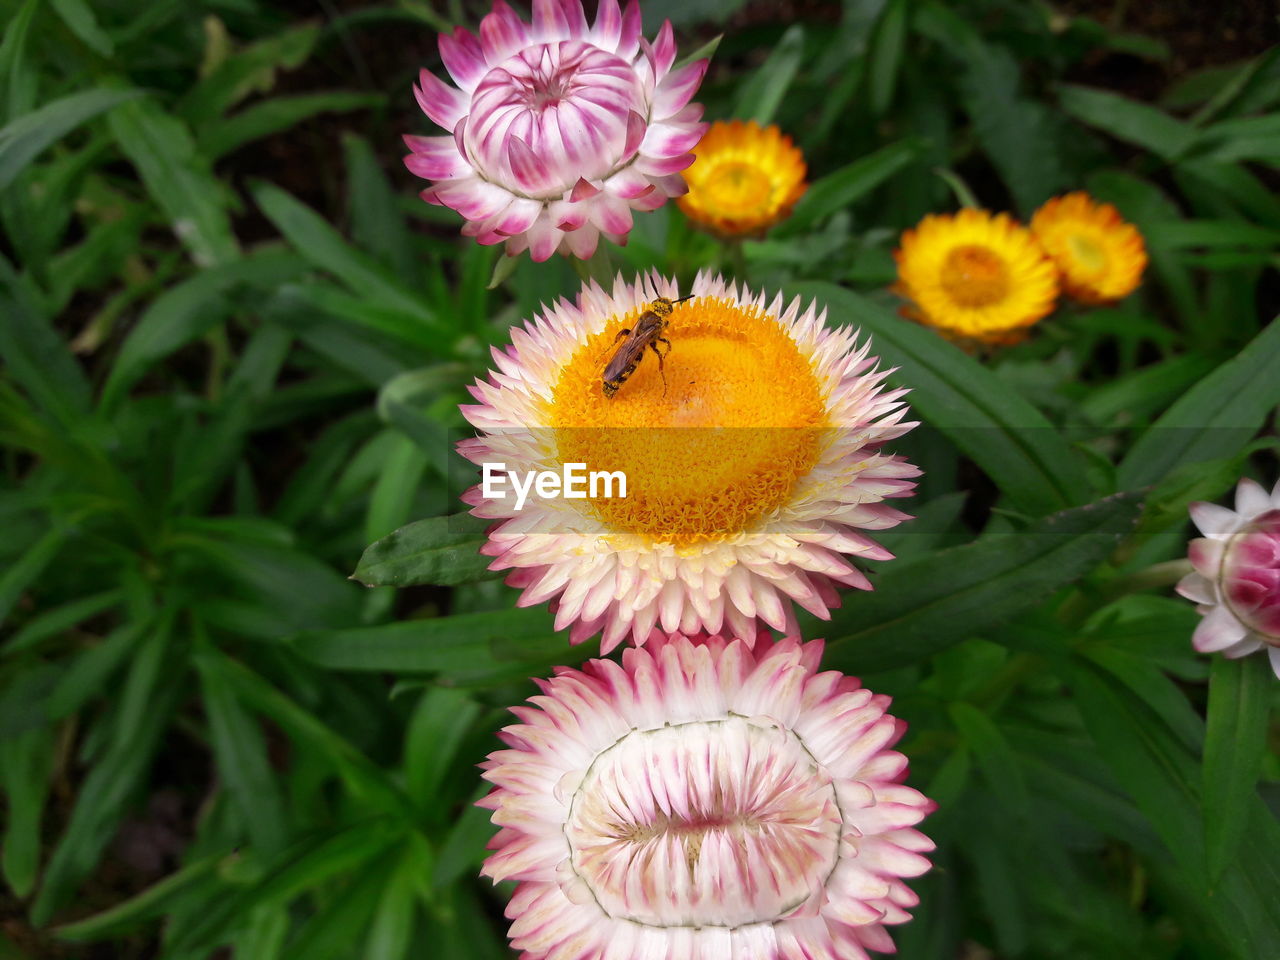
(556, 131)
(752, 457)
(975, 276)
(1100, 257)
(704, 802)
(1236, 582)
(744, 180)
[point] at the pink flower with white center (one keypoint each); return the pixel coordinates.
(557, 130)
(752, 454)
(1236, 582)
(702, 801)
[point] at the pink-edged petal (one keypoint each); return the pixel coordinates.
(677, 89)
(558, 20)
(636, 129)
(1197, 589)
(474, 199)
(444, 104)
(664, 49)
(463, 57)
(608, 26)
(544, 238)
(583, 190)
(435, 158)
(1218, 630)
(629, 184)
(502, 33)
(669, 140)
(1206, 556)
(632, 30)
(518, 217)
(582, 244)
(530, 171)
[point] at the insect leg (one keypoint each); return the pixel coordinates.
(659, 354)
(662, 340)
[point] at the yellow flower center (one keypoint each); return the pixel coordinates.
(975, 276)
(1087, 252)
(738, 188)
(741, 417)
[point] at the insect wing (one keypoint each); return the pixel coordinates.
(632, 348)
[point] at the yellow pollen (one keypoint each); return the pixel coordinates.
(742, 417)
(975, 276)
(738, 186)
(1088, 254)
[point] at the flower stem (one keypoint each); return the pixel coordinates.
(599, 267)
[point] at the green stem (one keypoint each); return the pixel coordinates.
(737, 259)
(599, 267)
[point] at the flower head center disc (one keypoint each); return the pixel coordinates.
(738, 188)
(550, 114)
(741, 826)
(1250, 576)
(1087, 252)
(975, 276)
(741, 417)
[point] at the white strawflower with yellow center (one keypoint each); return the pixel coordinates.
(751, 455)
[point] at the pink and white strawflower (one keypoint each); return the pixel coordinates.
(1236, 582)
(556, 130)
(753, 454)
(702, 801)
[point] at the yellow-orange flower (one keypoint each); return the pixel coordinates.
(744, 179)
(1100, 257)
(975, 276)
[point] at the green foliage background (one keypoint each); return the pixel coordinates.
(234, 343)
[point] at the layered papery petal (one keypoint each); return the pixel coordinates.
(648, 811)
(750, 435)
(1236, 583)
(541, 109)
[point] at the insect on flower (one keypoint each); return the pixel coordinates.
(646, 333)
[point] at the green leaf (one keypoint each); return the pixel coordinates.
(1129, 121)
(243, 766)
(837, 190)
(323, 246)
(188, 310)
(760, 95)
(442, 719)
(26, 762)
(1214, 419)
(101, 803)
(995, 756)
(439, 550)
(24, 571)
(248, 71)
(26, 137)
(886, 55)
(221, 137)
(377, 221)
(35, 356)
(160, 147)
(923, 605)
(1234, 747)
(52, 622)
(444, 644)
(364, 778)
(78, 16)
(1006, 436)
(1144, 757)
(146, 906)
(303, 866)
(391, 932)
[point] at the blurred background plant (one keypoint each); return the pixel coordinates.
(234, 345)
